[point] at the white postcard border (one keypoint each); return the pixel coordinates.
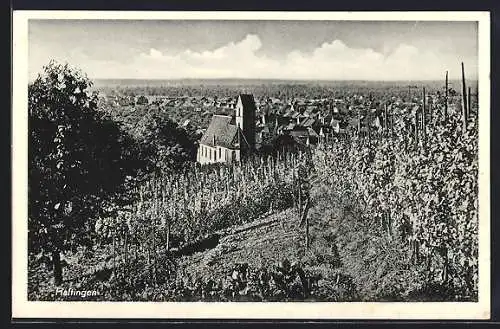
(22, 308)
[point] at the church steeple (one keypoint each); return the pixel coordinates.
(245, 118)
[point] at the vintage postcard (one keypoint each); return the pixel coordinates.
(256, 165)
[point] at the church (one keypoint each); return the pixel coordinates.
(229, 138)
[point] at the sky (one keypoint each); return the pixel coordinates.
(297, 50)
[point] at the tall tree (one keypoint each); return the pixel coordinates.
(79, 162)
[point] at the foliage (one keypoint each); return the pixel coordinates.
(285, 281)
(163, 143)
(80, 161)
(410, 207)
(167, 145)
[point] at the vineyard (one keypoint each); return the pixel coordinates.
(391, 215)
(413, 195)
(178, 210)
(417, 190)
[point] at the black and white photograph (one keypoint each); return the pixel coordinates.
(253, 159)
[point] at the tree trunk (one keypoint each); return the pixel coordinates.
(56, 261)
(445, 269)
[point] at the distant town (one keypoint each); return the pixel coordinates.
(292, 121)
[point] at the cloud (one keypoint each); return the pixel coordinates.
(236, 60)
(244, 59)
(153, 53)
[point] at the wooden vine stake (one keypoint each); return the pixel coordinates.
(416, 126)
(392, 123)
(114, 250)
(464, 100)
(359, 124)
(468, 102)
(386, 126)
(446, 97)
(168, 219)
(423, 115)
(305, 220)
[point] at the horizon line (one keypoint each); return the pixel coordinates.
(279, 79)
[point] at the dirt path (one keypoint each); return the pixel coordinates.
(259, 243)
(265, 241)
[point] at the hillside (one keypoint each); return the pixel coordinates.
(267, 242)
(338, 266)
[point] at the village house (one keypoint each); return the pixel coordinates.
(260, 128)
(229, 138)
